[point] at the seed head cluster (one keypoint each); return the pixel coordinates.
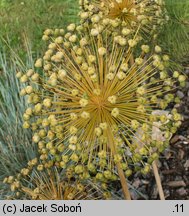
(127, 16)
(97, 98)
(51, 185)
(93, 105)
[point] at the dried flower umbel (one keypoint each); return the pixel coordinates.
(52, 184)
(95, 108)
(125, 15)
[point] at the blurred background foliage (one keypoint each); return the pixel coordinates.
(31, 18)
(174, 37)
(16, 148)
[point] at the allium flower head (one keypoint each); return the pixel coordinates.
(96, 108)
(51, 184)
(129, 14)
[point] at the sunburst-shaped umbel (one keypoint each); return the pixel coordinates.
(52, 184)
(92, 104)
(123, 11)
(148, 14)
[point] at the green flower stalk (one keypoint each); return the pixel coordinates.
(96, 109)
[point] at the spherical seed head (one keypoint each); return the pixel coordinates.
(40, 167)
(85, 115)
(35, 77)
(19, 74)
(121, 75)
(36, 138)
(102, 51)
(145, 48)
(112, 99)
(100, 108)
(26, 125)
(38, 108)
(23, 79)
(83, 102)
(132, 43)
(91, 70)
(142, 15)
(110, 76)
(71, 27)
(73, 38)
(75, 92)
(97, 92)
(30, 72)
(23, 92)
(103, 126)
(29, 89)
(92, 59)
(98, 131)
(47, 102)
(59, 40)
(95, 18)
(181, 78)
(73, 140)
(139, 61)
(38, 63)
(29, 111)
(25, 171)
(158, 49)
(115, 112)
(84, 15)
(73, 116)
(73, 130)
(94, 32)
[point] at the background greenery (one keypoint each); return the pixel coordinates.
(20, 18)
(174, 37)
(16, 148)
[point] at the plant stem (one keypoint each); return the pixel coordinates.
(123, 183)
(132, 61)
(119, 169)
(158, 181)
